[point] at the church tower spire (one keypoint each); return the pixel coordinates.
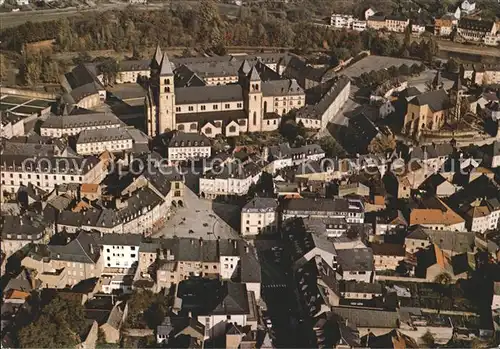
(456, 97)
(166, 99)
(437, 82)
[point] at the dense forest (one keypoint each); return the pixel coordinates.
(201, 28)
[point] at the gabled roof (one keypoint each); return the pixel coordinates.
(166, 66)
(254, 75)
(436, 100)
(157, 57)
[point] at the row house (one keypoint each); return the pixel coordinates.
(78, 260)
(476, 29)
(188, 146)
(282, 155)
(49, 172)
(20, 231)
(350, 209)
(78, 120)
(481, 74)
(259, 216)
(233, 178)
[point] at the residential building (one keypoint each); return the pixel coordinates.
(468, 6)
(376, 22)
(484, 216)
(360, 290)
(282, 155)
(377, 322)
(351, 210)
(495, 162)
(368, 13)
(417, 28)
(435, 214)
(387, 223)
(82, 87)
(131, 70)
(328, 105)
(305, 245)
(97, 141)
(20, 231)
(175, 328)
(215, 304)
(443, 27)
(396, 24)
(341, 21)
(492, 110)
(143, 212)
(358, 25)
(233, 178)
(188, 146)
(476, 29)
(11, 125)
(258, 216)
(495, 303)
(79, 259)
(78, 120)
(47, 173)
(327, 227)
(387, 256)
(355, 188)
(355, 264)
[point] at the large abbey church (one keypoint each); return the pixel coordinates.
(219, 95)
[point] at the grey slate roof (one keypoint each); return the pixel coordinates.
(356, 259)
(208, 94)
(78, 120)
(187, 139)
(368, 318)
(166, 66)
(117, 239)
(103, 135)
(260, 204)
(320, 205)
(78, 250)
(284, 150)
(436, 100)
(211, 116)
(281, 88)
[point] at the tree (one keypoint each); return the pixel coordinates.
(331, 147)
(382, 144)
(58, 326)
(428, 339)
(452, 65)
(443, 279)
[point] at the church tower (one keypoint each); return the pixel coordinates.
(166, 96)
(254, 101)
(437, 82)
(456, 95)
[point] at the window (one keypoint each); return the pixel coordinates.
(238, 105)
(190, 108)
(215, 107)
(227, 106)
(208, 130)
(180, 127)
(232, 129)
(132, 255)
(203, 107)
(177, 109)
(254, 118)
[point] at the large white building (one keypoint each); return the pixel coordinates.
(79, 120)
(233, 178)
(188, 146)
(341, 21)
(46, 173)
(99, 140)
(258, 216)
(283, 155)
(11, 125)
(350, 209)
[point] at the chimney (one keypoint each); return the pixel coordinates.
(246, 248)
(235, 244)
(100, 233)
(91, 249)
(201, 241)
(161, 256)
(68, 240)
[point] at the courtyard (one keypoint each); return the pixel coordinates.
(197, 218)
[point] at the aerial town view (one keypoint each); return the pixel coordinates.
(250, 173)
